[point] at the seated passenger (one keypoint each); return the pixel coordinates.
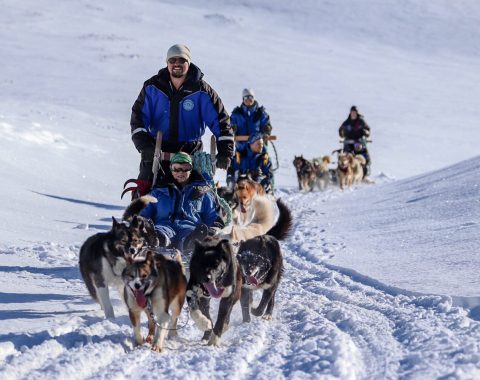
(186, 209)
(255, 163)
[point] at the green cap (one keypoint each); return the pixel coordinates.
(181, 158)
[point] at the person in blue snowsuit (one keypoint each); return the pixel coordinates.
(254, 162)
(186, 207)
(180, 104)
(246, 119)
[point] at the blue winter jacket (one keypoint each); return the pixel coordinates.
(247, 120)
(181, 115)
(255, 164)
(181, 210)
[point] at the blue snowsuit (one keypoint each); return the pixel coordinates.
(179, 211)
(255, 164)
(248, 120)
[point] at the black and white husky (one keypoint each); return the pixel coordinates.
(104, 256)
(102, 260)
(214, 272)
(261, 264)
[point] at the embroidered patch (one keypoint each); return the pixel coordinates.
(188, 105)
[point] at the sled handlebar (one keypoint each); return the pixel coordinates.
(245, 138)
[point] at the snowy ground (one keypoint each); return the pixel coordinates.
(380, 281)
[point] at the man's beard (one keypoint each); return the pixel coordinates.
(178, 73)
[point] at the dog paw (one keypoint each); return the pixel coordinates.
(149, 339)
(172, 333)
(202, 322)
(256, 312)
(157, 348)
(214, 341)
(267, 317)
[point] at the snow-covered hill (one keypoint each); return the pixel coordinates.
(380, 281)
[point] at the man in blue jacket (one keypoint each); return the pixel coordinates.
(186, 209)
(180, 104)
(254, 162)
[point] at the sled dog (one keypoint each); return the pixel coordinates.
(103, 256)
(357, 163)
(155, 286)
(261, 265)
(305, 173)
(102, 260)
(143, 230)
(344, 170)
(214, 272)
(322, 171)
(257, 214)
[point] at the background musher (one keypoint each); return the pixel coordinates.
(246, 119)
(355, 131)
(180, 104)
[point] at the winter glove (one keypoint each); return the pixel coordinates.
(267, 129)
(223, 162)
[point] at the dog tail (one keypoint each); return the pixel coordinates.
(137, 206)
(282, 228)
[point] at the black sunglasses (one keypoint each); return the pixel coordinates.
(180, 60)
(181, 170)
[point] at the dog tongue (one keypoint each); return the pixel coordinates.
(140, 297)
(213, 290)
(252, 280)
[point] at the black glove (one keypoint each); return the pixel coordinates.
(267, 129)
(223, 162)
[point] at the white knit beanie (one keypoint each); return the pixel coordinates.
(247, 91)
(179, 50)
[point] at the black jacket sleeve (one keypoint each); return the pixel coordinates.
(225, 143)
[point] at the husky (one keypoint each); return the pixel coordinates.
(305, 173)
(214, 272)
(142, 229)
(261, 265)
(322, 171)
(103, 256)
(155, 285)
(257, 214)
(102, 260)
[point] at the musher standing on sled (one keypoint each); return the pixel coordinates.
(246, 119)
(355, 131)
(180, 104)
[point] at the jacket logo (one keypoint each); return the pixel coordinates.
(188, 105)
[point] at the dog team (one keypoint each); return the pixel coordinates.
(353, 164)
(241, 258)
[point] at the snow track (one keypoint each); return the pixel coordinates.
(326, 324)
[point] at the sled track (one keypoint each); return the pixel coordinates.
(394, 334)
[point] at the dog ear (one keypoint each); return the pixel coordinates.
(134, 222)
(115, 223)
